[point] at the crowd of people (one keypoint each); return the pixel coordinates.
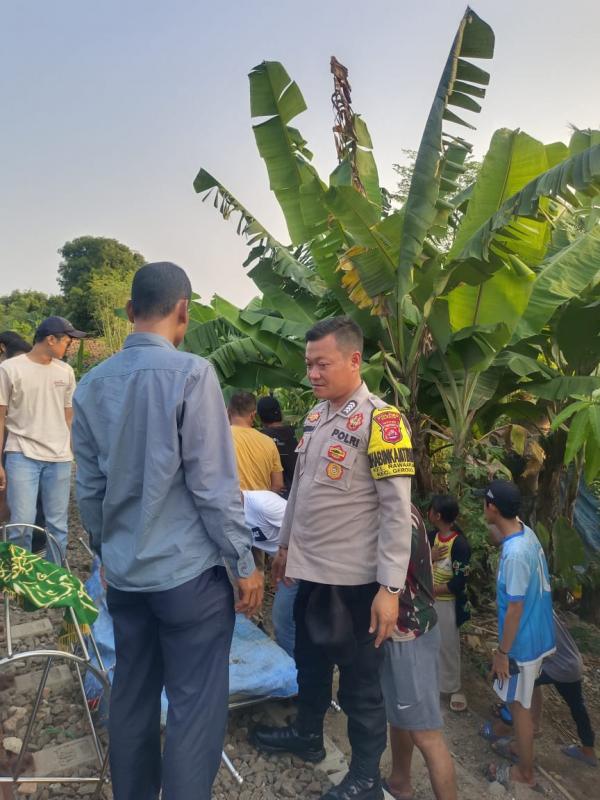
(187, 502)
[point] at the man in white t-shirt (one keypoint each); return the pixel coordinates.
(264, 514)
(36, 391)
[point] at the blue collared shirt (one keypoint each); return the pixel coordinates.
(157, 483)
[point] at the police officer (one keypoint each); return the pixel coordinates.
(346, 537)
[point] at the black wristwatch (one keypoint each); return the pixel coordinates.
(393, 589)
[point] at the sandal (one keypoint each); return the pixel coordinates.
(574, 752)
(487, 732)
(458, 702)
(386, 788)
(502, 748)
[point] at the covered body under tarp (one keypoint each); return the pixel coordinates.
(258, 667)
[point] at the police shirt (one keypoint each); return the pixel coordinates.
(348, 518)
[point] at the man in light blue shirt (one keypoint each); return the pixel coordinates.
(525, 625)
(159, 496)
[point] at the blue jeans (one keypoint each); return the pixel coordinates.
(283, 616)
(25, 477)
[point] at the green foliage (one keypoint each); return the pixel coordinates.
(405, 171)
(83, 258)
(109, 291)
(484, 554)
(478, 297)
(22, 311)
(583, 440)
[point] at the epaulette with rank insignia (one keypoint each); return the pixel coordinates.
(390, 448)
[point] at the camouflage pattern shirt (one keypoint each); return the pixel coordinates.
(417, 611)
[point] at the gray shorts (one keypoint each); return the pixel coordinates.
(410, 683)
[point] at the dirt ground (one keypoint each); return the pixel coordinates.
(62, 721)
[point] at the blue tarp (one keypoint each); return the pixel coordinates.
(586, 516)
(258, 667)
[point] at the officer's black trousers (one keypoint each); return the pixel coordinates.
(179, 639)
(359, 690)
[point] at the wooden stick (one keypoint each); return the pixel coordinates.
(558, 785)
(485, 630)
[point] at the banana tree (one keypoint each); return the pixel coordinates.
(436, 321)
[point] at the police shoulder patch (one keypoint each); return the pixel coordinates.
(390, 449)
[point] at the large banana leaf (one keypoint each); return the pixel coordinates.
(513, 159)
(564, 387)
(460, 82)
(565, 275)
(274, 95)
(577, 332)
(290, 302)
(491, 311)
(288, 352)
(264, 244)
(362, 159)
(374, 242)
(578, 173)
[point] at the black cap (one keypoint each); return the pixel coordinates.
(55, 326)
(505, 495)
(268, 409)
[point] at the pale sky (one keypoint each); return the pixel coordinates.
(110, 108)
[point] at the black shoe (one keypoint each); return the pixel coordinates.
(308, 746)
(353, 787)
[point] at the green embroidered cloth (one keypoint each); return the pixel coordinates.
(36, 583)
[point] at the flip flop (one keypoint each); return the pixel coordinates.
(458, 702)
(501, 774)
(487, 732)
(386, 788)
(574, 752)
(502, 748)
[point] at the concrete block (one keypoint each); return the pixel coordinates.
(55, 760)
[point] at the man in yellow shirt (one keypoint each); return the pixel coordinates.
(258, 461)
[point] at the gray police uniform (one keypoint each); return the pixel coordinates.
(347, 526)
(348, 518)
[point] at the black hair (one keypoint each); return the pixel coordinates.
(241, 404)
(348, 334)
(157, 288)
(446, 506)
(269, 410)
(510, 511)
(14, 344)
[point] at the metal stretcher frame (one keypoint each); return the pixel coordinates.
(79, 658)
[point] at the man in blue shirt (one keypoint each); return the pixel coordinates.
(159, 496)
(525, 626)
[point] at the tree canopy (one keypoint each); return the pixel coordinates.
(82, 259)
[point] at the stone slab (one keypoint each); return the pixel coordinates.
(37, 627)
(54, 760)
(58, 677)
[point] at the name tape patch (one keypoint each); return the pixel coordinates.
(346, 438)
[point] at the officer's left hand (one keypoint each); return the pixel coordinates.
(384, 615)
